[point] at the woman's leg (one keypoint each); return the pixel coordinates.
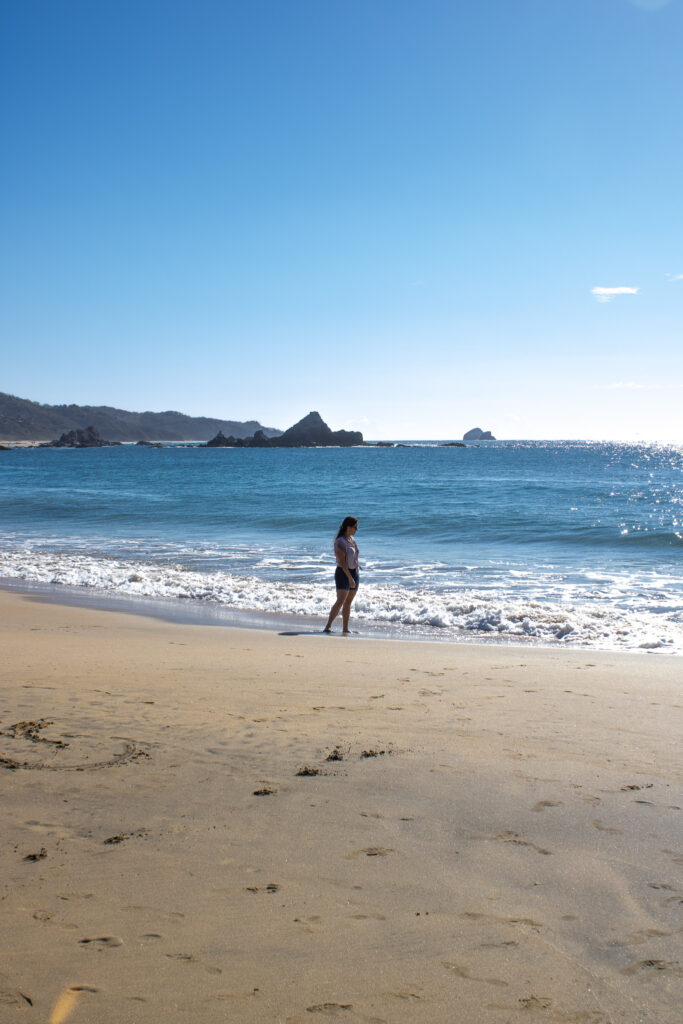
(346, 608)
(336, 607)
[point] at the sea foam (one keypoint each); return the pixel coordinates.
(466, 613)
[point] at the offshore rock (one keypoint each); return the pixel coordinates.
(259, 440)
(87, 438)
(477, 434)
(309, 432)
(221, 441)
(313, 431)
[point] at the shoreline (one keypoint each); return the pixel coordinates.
(204, 823)
(197, 613)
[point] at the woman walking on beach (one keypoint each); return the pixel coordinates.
(346, 573)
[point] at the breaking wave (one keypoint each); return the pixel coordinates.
(503, 607)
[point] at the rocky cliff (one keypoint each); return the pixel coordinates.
(309, 432)
(477, 434)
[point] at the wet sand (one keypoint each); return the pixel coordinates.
(230, 825)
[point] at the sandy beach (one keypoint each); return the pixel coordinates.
(206, 824)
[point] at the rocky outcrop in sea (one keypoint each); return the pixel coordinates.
(309, 432)
(477, 434)
(87, 438)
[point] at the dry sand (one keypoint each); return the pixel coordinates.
(482, 834)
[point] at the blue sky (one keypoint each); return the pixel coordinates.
(393, 212)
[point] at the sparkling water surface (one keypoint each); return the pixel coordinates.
(566, 543)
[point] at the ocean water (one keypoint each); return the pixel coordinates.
(553, 543)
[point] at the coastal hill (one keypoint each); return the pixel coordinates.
(309, 432)
(23, 420)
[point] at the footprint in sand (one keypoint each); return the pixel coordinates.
(191, 959)
(542, 804)
(474, 916)
(104, 942)
(370, 851)
(605, 828)
(14, 997)
(173, 915)
(513, 837)
(670, 966)
(638, 938)
(535, 1002)
(462, 972)
(409, 996)
(331, 1009)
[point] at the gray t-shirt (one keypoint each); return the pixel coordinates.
(348, 548)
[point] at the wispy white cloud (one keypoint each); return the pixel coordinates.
(674, 277)
(607, 294)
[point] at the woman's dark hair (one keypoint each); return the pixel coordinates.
(349, 521)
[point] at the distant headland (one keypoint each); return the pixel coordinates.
(23, 420)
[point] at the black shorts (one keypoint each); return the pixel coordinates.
(341, 580)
